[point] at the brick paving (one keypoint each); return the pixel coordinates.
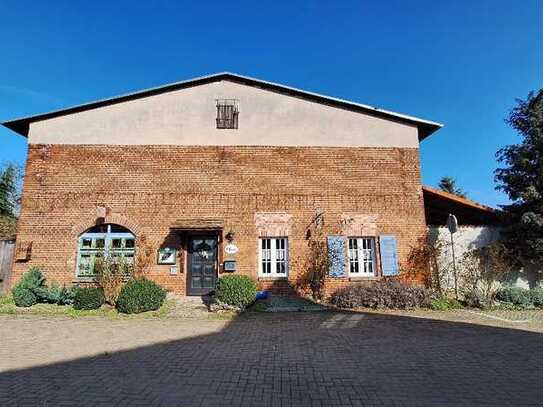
(303, 359)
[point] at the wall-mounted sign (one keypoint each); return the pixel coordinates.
(173, 270)
(166, 255)
(231, 249)
(229, 266)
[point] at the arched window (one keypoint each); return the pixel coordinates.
(110, 239)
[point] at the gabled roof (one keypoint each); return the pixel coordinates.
(426, 127)
(439, 204)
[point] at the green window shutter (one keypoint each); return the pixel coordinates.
(336, 256)
(389, 255)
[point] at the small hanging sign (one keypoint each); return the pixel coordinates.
(231, 248)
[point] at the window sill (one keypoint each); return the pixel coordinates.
(364, 278)
(91, 279)
(84, 280)
(272, 278)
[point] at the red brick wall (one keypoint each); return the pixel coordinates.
(146, 188)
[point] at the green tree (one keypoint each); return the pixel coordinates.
(9, 190)
(521, 178)
(448, 184)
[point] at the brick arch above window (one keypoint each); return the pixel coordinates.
(113, 218)
(359, 224)
(273, 224)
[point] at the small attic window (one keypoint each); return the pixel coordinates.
(227, 113)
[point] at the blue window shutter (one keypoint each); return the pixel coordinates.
(389, 255)
(336, 256)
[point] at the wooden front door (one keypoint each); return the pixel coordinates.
(201, 265)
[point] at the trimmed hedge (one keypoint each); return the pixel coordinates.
(88, 298)
(236, 290)
(383, 294)
(140, 296)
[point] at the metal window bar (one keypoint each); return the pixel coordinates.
(227, 114)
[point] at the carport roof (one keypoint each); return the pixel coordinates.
(439, 204)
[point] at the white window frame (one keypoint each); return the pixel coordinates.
(93, 250)
(273, 256)
(362, 257)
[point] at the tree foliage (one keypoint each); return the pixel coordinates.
(10, 182)
(521, 178)
(448, 184)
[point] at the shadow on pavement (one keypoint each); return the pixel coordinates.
(303, 359)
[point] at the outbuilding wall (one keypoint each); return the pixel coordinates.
(469, 238)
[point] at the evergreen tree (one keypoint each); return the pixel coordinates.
(9, 194)
(521, 178)
(448, 184)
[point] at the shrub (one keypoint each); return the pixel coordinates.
(140, 296)
(111, 274)
(383, 294)
(55, 291)
(516, 296)
(88, 298)
(236, 290)
(23, 297)
(60, 295)
(444, 304)
(536, 295)
(30, 289)
(475, 298)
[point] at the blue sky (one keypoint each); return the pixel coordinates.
(461, 63)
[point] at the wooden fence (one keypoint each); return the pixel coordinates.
(7, 249)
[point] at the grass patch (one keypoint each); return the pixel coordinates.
(8, 307)
(445, 304)
(223, 316)
(258, 306)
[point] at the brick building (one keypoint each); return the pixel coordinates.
(220, 174)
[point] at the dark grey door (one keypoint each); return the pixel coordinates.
(202, 265)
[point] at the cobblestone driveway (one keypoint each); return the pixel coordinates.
(302, 359)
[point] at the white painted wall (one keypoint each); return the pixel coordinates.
(187, 117)
(472, 237)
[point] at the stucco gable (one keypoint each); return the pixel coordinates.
(187, 117)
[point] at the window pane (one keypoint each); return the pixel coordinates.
(99, 243)
(86, 243)
(85, 264)
(116, 243)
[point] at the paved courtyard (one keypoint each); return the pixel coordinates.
(302, 359)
